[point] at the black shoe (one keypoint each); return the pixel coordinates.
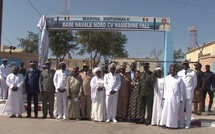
(148, 123)
(209, 111)
(52, 117)
(13, 116)
(19, 116)
(44, 117)
(35, 116)
(141, 122)
(28, 116)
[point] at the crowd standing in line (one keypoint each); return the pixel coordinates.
(107, 95)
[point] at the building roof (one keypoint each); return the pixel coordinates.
(197, 48)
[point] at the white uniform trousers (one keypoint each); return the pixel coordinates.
(3, 90)
(55, 105)
(111, 105)
(187, 103)
(61, 104)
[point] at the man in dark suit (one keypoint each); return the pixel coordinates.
(132, 71)
(22, 70)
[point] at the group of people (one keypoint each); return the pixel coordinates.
(106, 95)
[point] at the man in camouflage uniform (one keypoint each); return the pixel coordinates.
(47, 90)
(146, 92)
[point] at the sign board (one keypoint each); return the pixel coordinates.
(113, 23)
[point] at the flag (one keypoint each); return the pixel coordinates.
(43, 42)
(67, 18)
(145, 19)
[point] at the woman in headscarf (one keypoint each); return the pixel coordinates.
(97, 96)
(134, 102)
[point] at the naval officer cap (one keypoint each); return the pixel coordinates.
(123, 66)
(85, 64)
(48, 62)
(4, 59)
(43, 66)
(33, 62)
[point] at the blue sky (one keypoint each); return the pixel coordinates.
(20, 17)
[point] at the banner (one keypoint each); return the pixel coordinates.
(118, 23)
(43, 42)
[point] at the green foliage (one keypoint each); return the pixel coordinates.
(61, 43)
(102, 44)
(29, 44)
(178, 56)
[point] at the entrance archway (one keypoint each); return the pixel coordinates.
(106, 23)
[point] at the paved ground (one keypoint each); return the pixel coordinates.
(53, 126)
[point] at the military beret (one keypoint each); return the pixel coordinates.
(33, 62)
(146, 64)
(197, 64)
(186, 61)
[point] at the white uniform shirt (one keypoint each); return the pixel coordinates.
(5, 71)
(112, 82)
(190, 82)
(60, 79)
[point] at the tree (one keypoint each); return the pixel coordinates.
(101, 44)
(29, 44)
(156, 54)
(62, 43)
(117, 46)
(178, 56)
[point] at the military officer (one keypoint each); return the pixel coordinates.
(32, 87)
(86, 94)
(112, 83)
(123, 97)
(146, 92)
(4, 72)
(47, 90)
(190, 81)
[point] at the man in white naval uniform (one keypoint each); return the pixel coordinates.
(112, 83)
(4, 72)
(60, 79)
(189, 78)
